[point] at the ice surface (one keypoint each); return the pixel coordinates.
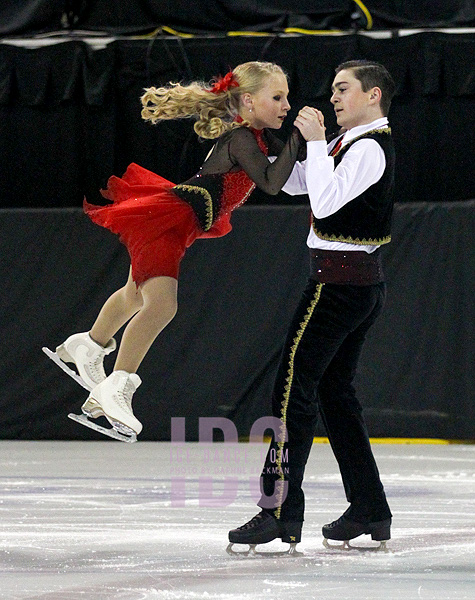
(105, 520)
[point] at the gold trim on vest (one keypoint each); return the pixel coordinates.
(346, 146)
(350, 240)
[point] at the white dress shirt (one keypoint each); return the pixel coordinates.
(328, 188)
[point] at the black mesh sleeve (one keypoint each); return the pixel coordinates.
(269, 177)
(275, 145)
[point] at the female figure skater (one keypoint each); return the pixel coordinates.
(157, 220)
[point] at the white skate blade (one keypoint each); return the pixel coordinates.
(62, 365)
(346, 546)
(112, 433)
(292, 551)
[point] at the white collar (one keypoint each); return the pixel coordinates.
(354, 132)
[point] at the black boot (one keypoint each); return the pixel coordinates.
(344, 529)
(264, 528)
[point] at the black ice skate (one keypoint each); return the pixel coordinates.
(264, 528)
(344, 530)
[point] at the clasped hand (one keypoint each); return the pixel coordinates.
(310, 123)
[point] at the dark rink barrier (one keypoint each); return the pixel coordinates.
(236, 298)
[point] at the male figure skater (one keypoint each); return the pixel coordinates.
(350, 185)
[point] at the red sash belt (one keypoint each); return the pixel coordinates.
(350, 268)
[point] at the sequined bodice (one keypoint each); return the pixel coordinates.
(237, 185)
(237, 163)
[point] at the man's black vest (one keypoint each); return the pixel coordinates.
(365, 220)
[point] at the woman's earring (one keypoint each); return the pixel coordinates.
(250, 110)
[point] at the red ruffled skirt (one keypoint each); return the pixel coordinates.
(151, 221)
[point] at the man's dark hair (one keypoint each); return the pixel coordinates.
(372, 74)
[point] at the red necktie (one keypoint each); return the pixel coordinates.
(337, 147)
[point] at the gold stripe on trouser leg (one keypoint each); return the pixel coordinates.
(285, 402)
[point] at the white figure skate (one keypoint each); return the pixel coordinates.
(113, 399)
(86, 354)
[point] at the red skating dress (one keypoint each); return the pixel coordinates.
(157, 220)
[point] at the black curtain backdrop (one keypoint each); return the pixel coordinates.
(236, 297)
(70, 117)
(28, 17)
(423, 13)
(70, 114)
(214, 16)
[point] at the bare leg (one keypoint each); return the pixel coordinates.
(159, 305)
(117, 310)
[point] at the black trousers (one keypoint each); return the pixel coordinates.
(315, 375)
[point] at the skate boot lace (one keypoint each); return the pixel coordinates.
(124, 397)
(96, 369)
(254, 521)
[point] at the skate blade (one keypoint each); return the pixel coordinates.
(62, 365)
(253, 552)
(346, 547)
(112, 433)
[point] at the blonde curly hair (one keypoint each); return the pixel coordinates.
(214, 111)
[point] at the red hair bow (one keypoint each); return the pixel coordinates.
(224, 83)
